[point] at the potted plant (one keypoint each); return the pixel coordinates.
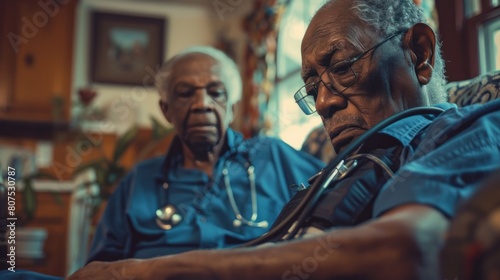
(108, 171)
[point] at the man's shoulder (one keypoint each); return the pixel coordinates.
(459, 130)
(151, 164)
(460, 116)
(260, 141)
(266, 140)
(458, 149)
(144, 171)
(272, 147)
(266, 143)
(409, 128)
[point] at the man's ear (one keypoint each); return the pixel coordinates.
(164, 110)
(421, 41)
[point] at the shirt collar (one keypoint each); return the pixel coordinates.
(408, 128)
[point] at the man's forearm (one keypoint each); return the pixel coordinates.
(404, 244)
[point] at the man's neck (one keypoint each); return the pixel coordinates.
(204, 162)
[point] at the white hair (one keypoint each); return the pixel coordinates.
(230, 74)
(386, 17)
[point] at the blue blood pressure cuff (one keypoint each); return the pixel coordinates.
(349, 201)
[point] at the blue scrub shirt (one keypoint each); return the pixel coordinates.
(456, 152)
(128, 228)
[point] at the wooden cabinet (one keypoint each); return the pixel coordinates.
(36, 55)
(52, 215)
(54, 209)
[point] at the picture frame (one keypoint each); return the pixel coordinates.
(126, 49)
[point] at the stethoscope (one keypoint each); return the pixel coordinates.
(168, 215)
(336, 169)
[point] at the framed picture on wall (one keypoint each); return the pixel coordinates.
(125, 49)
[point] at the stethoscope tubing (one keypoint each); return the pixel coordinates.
(301, 212)
(248, 166)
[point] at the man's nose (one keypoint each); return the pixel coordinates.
(329, 101)
(202, 101)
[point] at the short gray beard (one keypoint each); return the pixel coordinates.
(201, 150)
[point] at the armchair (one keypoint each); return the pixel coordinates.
(478, 90)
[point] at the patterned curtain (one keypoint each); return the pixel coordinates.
(260, 65)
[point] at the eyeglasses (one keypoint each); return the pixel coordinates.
(339, 77)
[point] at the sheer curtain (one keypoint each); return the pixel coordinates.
(287, 120)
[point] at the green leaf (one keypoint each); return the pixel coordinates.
(29, 198)
(29, 193)
(124, 141)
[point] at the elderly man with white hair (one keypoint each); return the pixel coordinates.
(212, 189)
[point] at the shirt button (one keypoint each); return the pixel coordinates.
(203, 219)
(165, 186)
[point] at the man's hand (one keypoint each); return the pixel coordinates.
(401, 244)
(119, 270)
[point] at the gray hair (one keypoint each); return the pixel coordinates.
(386, 17)
(230, 74)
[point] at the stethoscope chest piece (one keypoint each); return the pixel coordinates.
(167, 217)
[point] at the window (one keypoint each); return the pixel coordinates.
(472, 8)
(288, 121)
(485, 28)
(489, 42)
(470, 47)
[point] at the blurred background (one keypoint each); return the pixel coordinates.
(78, 105)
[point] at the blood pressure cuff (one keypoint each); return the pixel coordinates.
(349, 201)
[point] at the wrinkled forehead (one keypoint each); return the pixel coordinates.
(331, 19)
(333, 28)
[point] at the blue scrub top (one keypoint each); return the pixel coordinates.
(128, 228)
(454, 153)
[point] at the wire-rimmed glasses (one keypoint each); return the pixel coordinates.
(336, 78)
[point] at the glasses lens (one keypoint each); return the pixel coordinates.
(305, 99)
(340, 76)
(308, 104)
